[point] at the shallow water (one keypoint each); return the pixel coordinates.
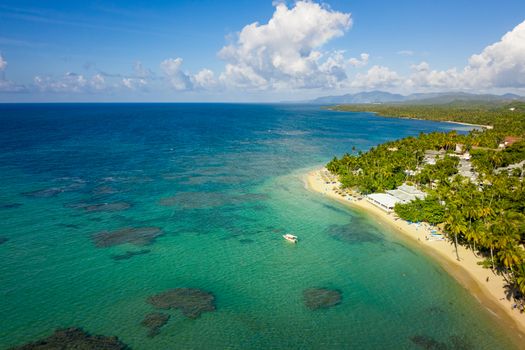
(223, 183)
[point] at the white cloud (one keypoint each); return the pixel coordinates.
(3, 63)
(9, 86)
(134, 83)
(377, 77)
(361, 61)
(70, 82)
(5, 84)
(204, 79)
(501, 64)
(171, 68)
(98, 82)
(141, 71)
(285, 51)
(423, 77)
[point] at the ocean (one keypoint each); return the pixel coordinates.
(104, 205)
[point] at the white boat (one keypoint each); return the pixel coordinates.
(291, 238)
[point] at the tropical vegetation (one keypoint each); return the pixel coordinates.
(485, 213)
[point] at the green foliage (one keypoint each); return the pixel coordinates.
(428, 209)
(488, 216)
(499, 115)
(441, 171)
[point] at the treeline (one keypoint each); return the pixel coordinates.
(506, 117)
(488, 215)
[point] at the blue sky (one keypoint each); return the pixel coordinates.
(193, 50)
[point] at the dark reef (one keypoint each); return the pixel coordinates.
(105, 190)
(135, 235)
(192, 302)
(10, 206)
(74, 339)
(107, 207)
(129, 254)
(154, 321)
(45, 193)
(429, 343)
(317, 298)
(202, 200)
(352, 235)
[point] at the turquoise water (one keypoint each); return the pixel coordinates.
(232, 176)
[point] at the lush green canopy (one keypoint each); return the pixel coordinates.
(488, 215)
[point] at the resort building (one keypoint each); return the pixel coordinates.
(406, 193)
(512, 168)
(384, 201)
(402, 194)
(465, 169)
(509, 141)
(432, 156)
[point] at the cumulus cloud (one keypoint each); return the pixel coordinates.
(9, 86)
(141, 71)
(376, 77)
(361, 61)
(204, 79)
(5, 84)
(178, 79)
(3, 63)
(501, 64)
(424, 77)
(70, 82)
(134, 83)
(286, 50)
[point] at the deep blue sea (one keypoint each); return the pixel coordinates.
(105, 205)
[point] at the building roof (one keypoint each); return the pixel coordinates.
(384, 199)
(411, 190)
(402, 196)
(509, 140)
(431, 152)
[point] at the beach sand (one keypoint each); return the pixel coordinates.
(467, 272)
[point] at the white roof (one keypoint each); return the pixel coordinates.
(384, 199)
(410, 189)
(401, 195)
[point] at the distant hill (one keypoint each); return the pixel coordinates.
(361, 97)
(419, 98)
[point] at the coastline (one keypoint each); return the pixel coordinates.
(467, 272)
(488, 127)
(468, 124)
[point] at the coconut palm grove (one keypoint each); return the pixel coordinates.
(484, 211)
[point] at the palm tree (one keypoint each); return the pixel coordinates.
(510, 256)
(496, 159)
(455, 224)
(520, 277)
(474, 234)
(490, 240)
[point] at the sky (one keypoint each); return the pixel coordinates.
(256, 51)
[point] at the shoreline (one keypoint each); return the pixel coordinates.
(488, 127)
(490, 293)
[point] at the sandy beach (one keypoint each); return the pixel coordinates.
(486, 286)
(411, 118)
(469, 124)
